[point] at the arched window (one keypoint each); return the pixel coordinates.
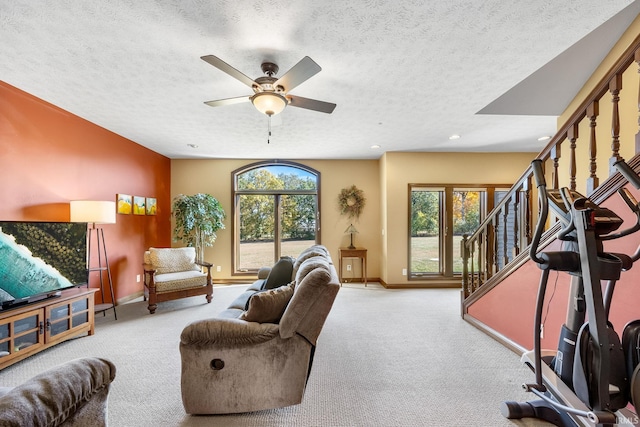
(276, 212)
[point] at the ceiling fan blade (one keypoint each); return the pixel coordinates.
(227, 101)
(300, 72)
(223, 66)
(311, 104)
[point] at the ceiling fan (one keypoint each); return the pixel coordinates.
(270, 93)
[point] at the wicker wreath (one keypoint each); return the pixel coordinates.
(351, 201)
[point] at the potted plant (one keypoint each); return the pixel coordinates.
(197, 218)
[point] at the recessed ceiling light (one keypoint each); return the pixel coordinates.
(192, 145)
(375, 147)
(544, 138)
(454, 136)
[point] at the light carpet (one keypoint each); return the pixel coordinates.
(384, 358)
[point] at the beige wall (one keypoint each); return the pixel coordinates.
(214, 177)
(384, 223)
(628, 111)
(616, 52)
(403, 169)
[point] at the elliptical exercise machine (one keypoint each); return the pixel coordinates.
(592, 376)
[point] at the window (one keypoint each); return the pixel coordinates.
(276, 213)
(439, 217)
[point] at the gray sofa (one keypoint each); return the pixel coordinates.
(73, 394)
(258, 353)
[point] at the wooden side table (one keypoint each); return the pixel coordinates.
(354, 253)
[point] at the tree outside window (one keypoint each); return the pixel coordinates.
(440, 216)
(276, 211)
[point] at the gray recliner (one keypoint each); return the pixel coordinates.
(231, 365)
(73, 394)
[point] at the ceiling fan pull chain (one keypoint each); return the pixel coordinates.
(269, 136)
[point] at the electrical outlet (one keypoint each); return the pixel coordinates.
(218, 268)
(404, 271)
(138, 278)
(348, 267)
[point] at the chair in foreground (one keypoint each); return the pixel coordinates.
(173, 273)
(72, 394)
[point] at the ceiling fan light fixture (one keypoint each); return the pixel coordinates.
(269, 103)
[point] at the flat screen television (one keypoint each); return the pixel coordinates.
(40, 259)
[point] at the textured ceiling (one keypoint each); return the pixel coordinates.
(405, 75)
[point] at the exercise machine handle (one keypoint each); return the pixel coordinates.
(631, 176)
(543, 200)
(568, 200)
(538, 173)
(628, 172)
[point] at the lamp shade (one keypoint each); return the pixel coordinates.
(269, 103)
(94, 211)
(351, 229)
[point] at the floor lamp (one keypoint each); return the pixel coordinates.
(97, 212)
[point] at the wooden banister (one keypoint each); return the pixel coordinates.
(487, 256)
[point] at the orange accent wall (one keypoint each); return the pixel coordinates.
(49, 156)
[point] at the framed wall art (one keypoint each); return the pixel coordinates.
(151, 206)
(138, 205)
(124, 203)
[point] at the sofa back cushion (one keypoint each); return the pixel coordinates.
(312, 300)
(173, 260)
(312, 251)
(309, 265)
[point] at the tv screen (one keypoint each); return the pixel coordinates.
(39, 259)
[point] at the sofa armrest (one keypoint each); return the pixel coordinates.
(263, 273)
(55, 395)
(227, 333)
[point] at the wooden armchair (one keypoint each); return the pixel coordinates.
(172, 273)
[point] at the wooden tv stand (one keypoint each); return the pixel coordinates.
(31, 328)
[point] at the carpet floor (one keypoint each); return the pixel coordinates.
(384, 358)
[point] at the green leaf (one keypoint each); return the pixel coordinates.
(197, 218)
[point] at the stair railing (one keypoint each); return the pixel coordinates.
(499, 245)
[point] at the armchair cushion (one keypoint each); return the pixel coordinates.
(268, 306)
(172, 260)
(169, 282)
